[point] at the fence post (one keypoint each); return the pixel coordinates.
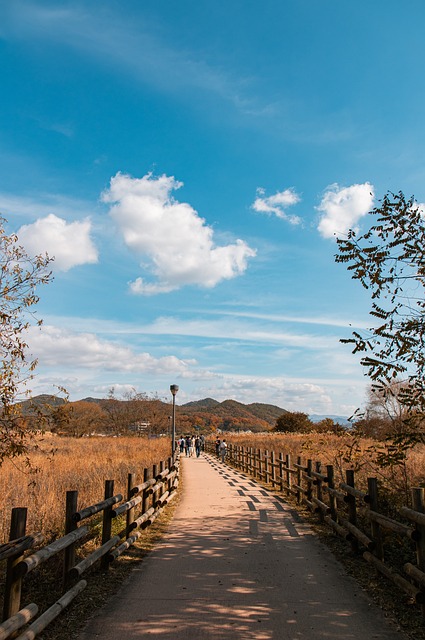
(281, 471)
(309, 487)
(13, 586)
(154, 474)
(170, 464)
(130, 512)
(288, 474)
(107, 522)
(331, 484)
(161, 469)
(145, 494)
(272, 463)
(319, 493)
(299, 480)
(372, 489)
(266, 467)
(418, 503)
(70, 525)
(352, 511)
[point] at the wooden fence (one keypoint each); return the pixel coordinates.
(351, 513)
(143, 504)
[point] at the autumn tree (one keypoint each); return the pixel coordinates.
(133, 408)
(384, 415)
(79, 418)
(389, 261)
(20, 276)
(327, 425)
(293, 422)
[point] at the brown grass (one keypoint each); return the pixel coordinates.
(81, 464)
(345, 452)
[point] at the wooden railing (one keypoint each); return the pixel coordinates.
(351, 513)
(143, 504)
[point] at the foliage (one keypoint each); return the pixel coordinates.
(79, 418)
(204, 416)
(293, 422)
(20, 275)
(231, 415)
(389, 261)
(327, 425)
(385, 415)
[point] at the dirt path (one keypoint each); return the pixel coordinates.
(237, 564)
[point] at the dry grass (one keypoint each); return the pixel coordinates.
(345, 452)
(84, 464)
(81, 464)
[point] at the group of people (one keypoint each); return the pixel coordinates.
(221, 448)
(192, 445)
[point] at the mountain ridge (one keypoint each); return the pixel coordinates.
(228, 414)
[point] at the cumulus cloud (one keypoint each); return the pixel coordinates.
(171, 234)
(290, 395)
(277, 204)
(55, 347)
(69, 243)
(342, 208)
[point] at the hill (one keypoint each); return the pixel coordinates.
(44, 402)
(205, 414)
(233, 415)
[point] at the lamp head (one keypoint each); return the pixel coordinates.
(174, 388)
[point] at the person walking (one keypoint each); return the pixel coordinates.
(187, 446)
(198, 446)
(223, 449)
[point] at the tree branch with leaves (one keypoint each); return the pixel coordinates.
(20, 276)
(389, 261)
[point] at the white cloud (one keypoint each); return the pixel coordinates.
(56, 347)
(277, 204)
(139, 50)
(289, 394)
(32, 208)
(171, 235)
(69, 243)
(343, 207)
(240, 331)
(86, 364)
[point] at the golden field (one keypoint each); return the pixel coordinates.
(345, 452)
(64, 464)
(84, 464)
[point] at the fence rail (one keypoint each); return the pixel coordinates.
(352, 513)
(143, 504)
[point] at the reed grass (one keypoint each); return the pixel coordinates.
(345, 452)
(65, 464)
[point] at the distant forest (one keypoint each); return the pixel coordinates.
(150, 415)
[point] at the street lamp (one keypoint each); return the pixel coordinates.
(173, 388)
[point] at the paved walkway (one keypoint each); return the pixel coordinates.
(237, 564)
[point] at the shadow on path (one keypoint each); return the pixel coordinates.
(237, 563)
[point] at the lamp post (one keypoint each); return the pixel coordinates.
(173, 388)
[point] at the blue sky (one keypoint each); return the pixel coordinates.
(188, 165)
